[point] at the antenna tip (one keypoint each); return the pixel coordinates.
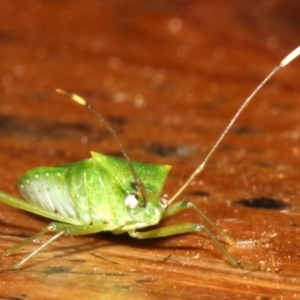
(290, 57)
(72, 96)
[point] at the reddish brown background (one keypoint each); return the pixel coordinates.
(168, 75)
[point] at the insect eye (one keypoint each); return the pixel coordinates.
(132, 201)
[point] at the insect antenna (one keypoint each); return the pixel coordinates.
(200, 168)
(138, 182)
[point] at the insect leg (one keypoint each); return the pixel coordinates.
(184, 204)
(21, 262)
(192, 227)
(60, 229)
(26, 241)
(187, 228)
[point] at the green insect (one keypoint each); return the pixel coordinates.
(105, 193)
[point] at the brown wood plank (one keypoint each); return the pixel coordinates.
(168, 75)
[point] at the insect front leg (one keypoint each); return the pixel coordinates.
(192, 227)
(184, 204)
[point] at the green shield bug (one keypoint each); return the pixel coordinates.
(130, 198)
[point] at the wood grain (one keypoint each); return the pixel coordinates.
(168, 75)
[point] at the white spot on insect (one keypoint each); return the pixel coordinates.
(131, 201)
(164, 201)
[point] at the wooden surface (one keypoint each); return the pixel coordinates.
(168, 75)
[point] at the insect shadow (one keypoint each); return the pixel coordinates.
(263, 203)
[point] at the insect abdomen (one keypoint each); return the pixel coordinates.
(47, 188)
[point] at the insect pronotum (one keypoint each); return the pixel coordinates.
(105, 193)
